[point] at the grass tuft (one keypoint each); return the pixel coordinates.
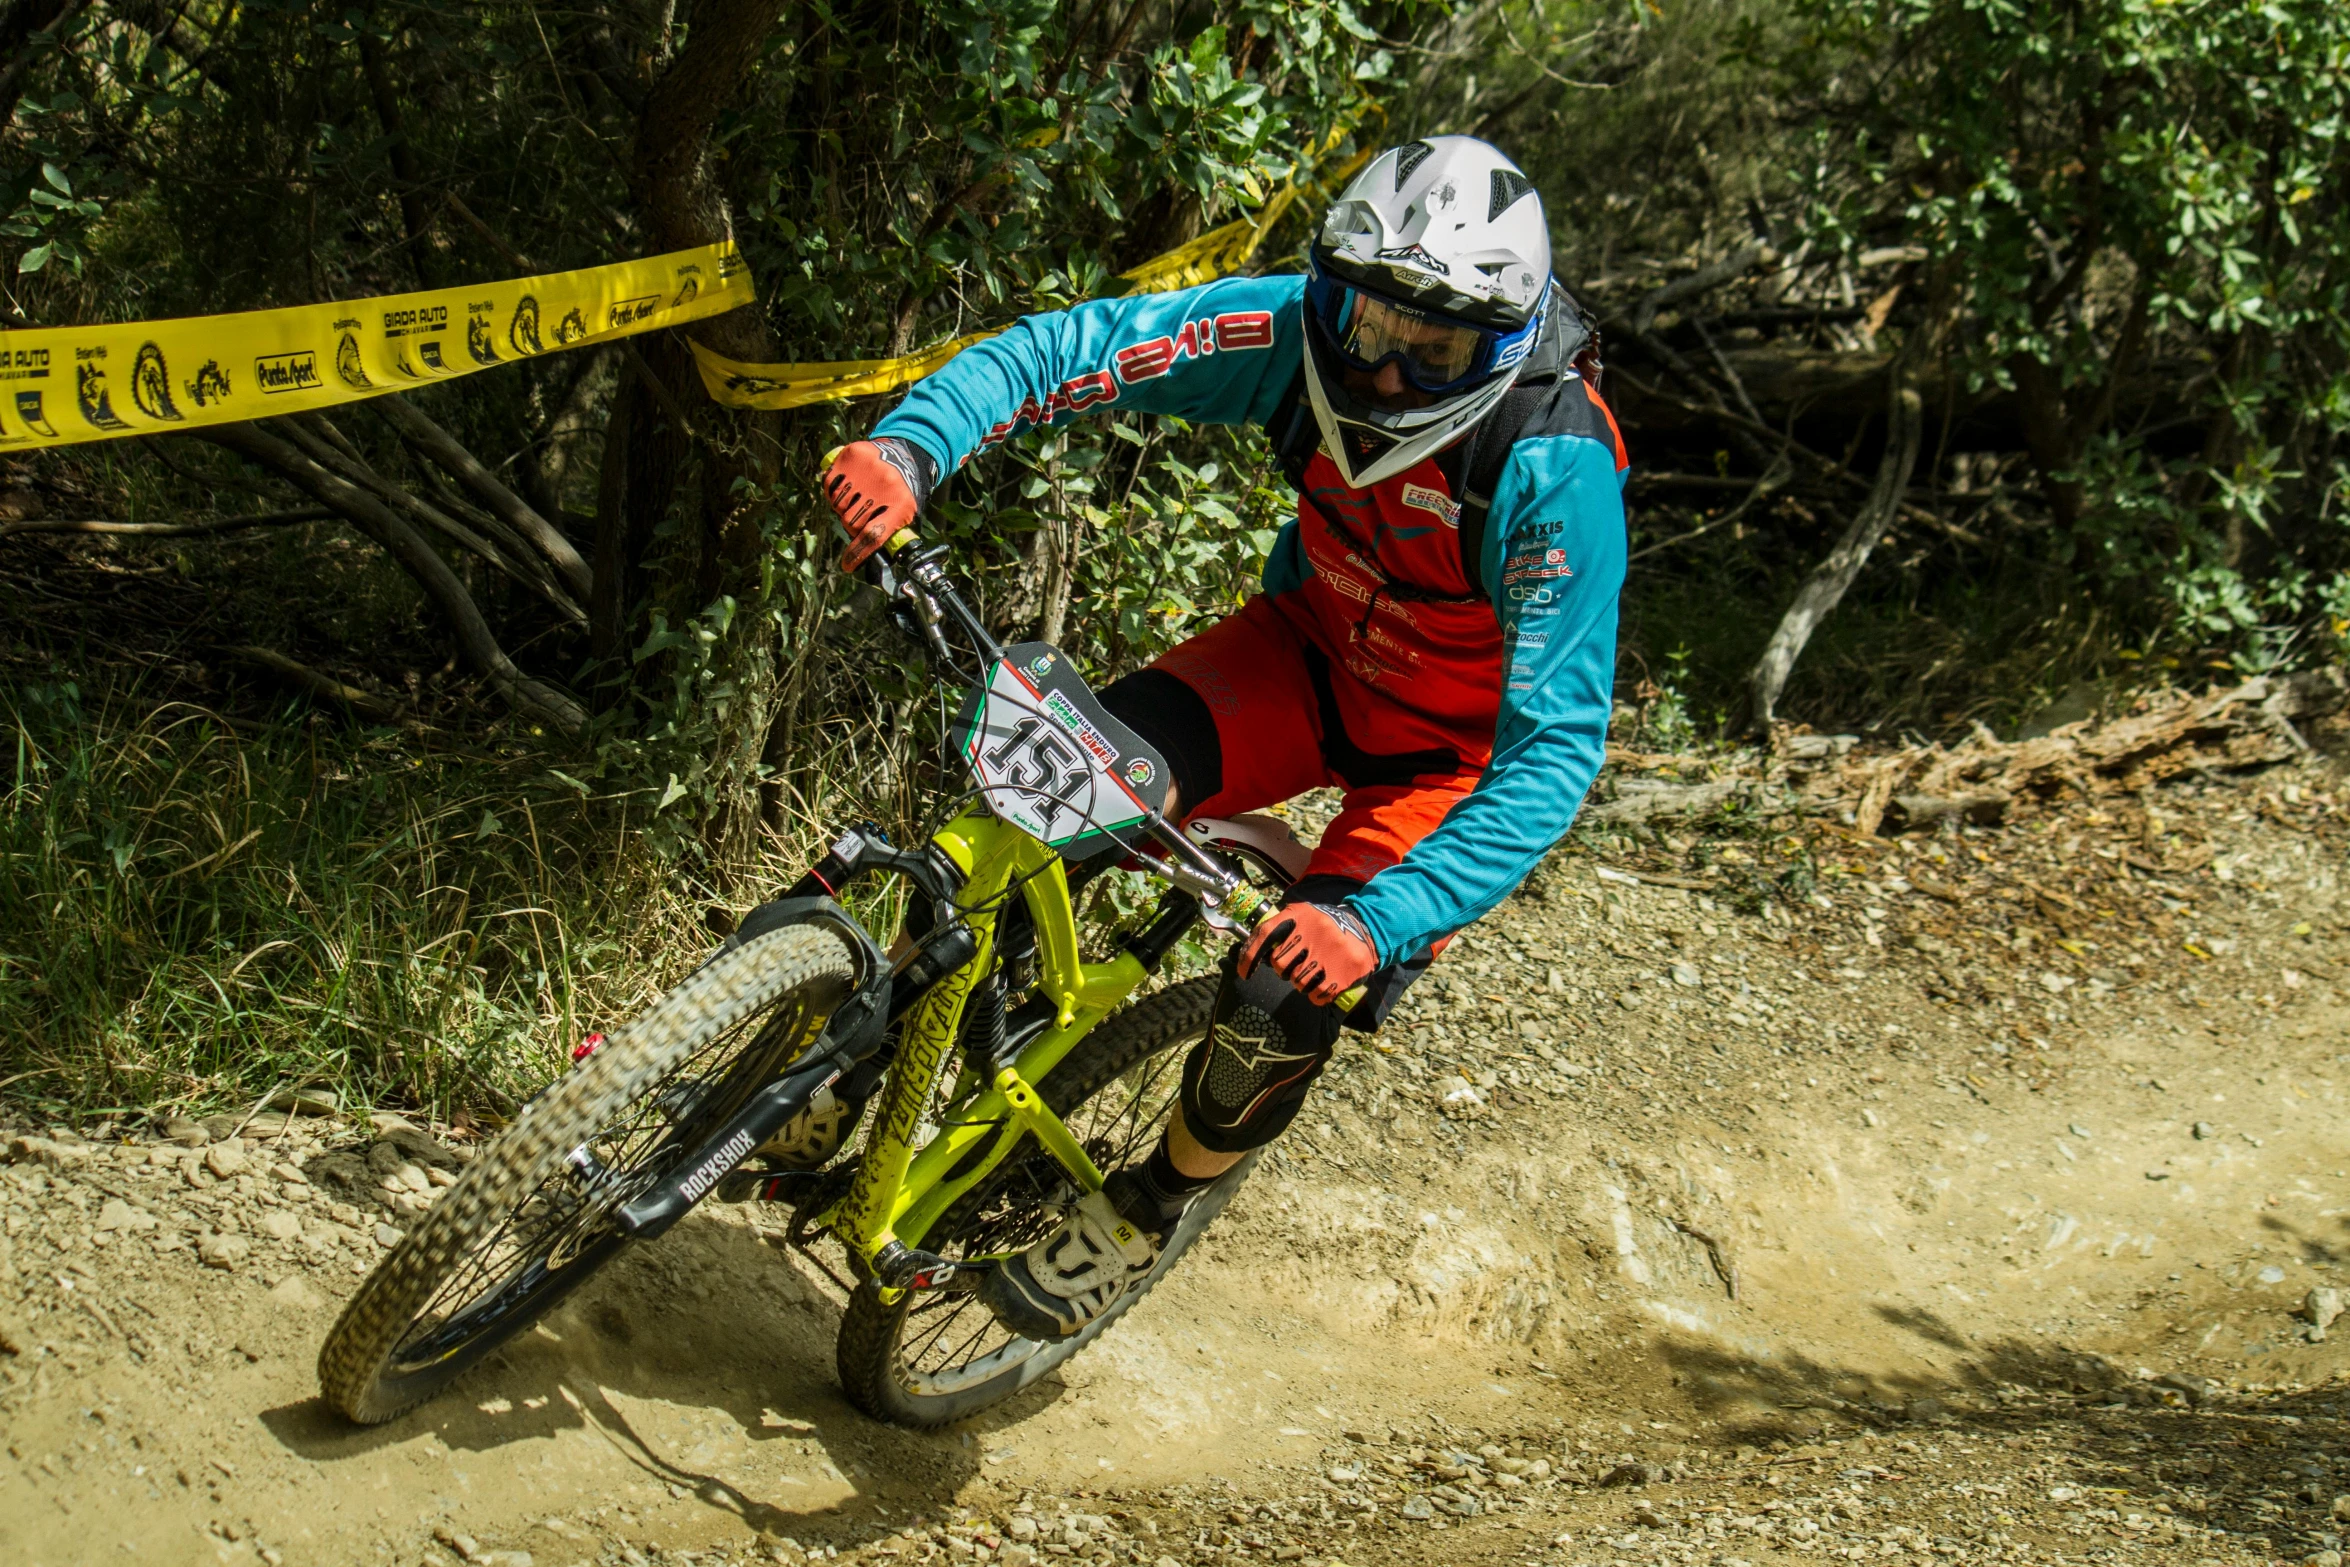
(196, 910)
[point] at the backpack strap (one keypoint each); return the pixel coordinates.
(1294, 433)
(1547, 399)
(1516, 415)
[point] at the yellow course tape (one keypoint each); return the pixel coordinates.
(60, 385)
(1217, 252)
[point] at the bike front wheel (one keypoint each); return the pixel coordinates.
(531, 1218)
(933, 1357)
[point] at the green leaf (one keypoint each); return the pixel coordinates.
(671, 795)
(34, 259)
(56, 178)
(1207, 49)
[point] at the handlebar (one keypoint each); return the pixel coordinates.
(916, 577)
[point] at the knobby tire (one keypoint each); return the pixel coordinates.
(798, 974)
(873, 1335)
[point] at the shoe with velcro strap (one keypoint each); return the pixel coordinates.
(1078, 1272)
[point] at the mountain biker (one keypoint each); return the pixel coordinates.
(1436, 634)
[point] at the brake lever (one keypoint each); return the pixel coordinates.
(915, 610)
(925, 613)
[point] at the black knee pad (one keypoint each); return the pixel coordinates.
(1266, 1045)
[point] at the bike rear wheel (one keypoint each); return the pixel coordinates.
(937, 1356)
(530, 1220)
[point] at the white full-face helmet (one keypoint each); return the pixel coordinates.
(1436, 259)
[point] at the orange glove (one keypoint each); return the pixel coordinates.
(1321, 948)
(878, 488)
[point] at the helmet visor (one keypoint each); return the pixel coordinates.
(1434, 353)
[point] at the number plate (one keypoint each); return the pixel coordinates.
(1051, 760)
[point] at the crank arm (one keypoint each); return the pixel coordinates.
(898, 1267)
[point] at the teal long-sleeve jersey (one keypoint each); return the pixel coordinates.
(1551, 561)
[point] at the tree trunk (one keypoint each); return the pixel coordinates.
(1834, 575)
(414, 219)
(2049, 437)
(735, 454)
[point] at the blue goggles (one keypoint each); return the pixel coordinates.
(1436, 353)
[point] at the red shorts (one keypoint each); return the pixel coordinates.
(1288, 720)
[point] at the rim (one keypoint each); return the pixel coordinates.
(947, 1341)
(565, 1220)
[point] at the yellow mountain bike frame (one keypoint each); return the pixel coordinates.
(901, 1189)
(899, 1192)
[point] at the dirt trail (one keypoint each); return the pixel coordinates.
(1653, 1231)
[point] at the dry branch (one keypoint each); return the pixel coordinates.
(380, 522)
(510, 508)
(320, 439)
(1828, 582)
(1982, 779)
(2165, 735)
(1704, 280)
(165, 530)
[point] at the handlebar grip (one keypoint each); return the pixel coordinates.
(905, 538)
(877, 563)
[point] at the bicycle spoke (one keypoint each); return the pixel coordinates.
(1020, 1205)
(612, 1163)
(946, 1319)
(962, 1353)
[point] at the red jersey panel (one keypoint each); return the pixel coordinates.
(1427, 665)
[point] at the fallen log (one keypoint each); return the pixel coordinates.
(2165, 735)
(1641, 799)
(365, 703)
